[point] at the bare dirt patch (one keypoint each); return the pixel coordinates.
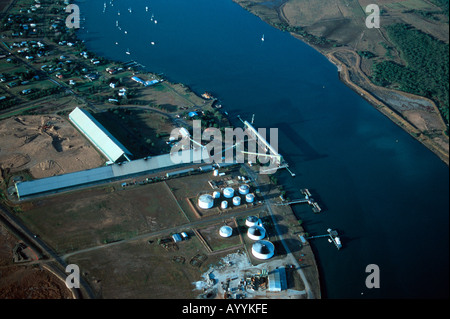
(46, 145)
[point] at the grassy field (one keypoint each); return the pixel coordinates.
(143, 270)
(97, 216)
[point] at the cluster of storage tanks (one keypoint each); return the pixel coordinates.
(261, 249)
(206, 201)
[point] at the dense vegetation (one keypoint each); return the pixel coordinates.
(426, 72)
(443, 4)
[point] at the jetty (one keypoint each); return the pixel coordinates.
(273, 153)
(333, 237)
(307, 200)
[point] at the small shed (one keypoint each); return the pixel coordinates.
(176, 238)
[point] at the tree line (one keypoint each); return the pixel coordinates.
(426, 72)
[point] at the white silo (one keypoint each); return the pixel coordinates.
(250, 198)
(206, 201)
(236, 201)
(224, 204)
(216, 194)
(256, 233)
(244, 189)
(263, 249)
(251, 221)
(228, 192)
(226, 231)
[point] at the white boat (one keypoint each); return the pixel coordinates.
(152, 43)
(262, 38)
(156, 22)
(128, 52)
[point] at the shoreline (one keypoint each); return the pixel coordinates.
(388, 111)
(386, 107)
(312, 271)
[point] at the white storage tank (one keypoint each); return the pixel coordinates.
(263, 249)
(226, 231)
(228, 192)
(251, 221)
(224, 204)
(256, 233)
(244, 189)
(206, 201)
(216, 172)
(236, 201)
(216, 194)
(249, 198)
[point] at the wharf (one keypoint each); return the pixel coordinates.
(334, 237)
(307, 200)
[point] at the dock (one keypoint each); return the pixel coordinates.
(333, 237)
(273, 153)
(307, 200)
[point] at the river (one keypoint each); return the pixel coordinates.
(384, 192)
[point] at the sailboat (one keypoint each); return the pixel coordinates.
(262, 38)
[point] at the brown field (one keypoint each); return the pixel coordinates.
(211, 235)
(101, 215)
(58, 148)
(145, 270)
(26, 281)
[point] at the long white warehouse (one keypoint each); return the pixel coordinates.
(104, 174)
(107, 144)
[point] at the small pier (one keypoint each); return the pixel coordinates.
(307, 200)
(333, 237)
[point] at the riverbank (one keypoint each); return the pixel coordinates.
(335, 33)
(177, 101)
(438, 143)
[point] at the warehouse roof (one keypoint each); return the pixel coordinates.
(98, 135)
(101, 174)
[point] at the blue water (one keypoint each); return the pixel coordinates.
(382, 190)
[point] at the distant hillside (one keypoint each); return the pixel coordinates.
(333, 24)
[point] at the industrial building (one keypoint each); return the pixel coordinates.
(99, 175)
(277, 280)
(107, 144)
